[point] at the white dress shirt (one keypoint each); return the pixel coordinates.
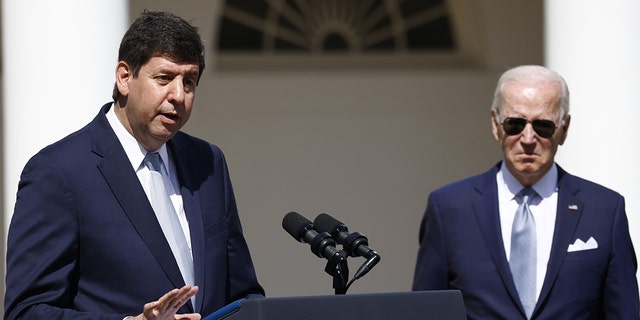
(136, 153)
(543, 208)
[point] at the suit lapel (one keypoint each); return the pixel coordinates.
(568, 216)
(488, 216)
(116, 170)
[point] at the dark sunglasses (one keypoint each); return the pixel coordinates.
(544, 128)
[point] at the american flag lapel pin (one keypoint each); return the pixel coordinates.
(573, 207)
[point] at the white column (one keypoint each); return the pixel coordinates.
(594, 45)
(58, 68)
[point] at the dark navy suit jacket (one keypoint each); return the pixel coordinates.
(84, 242)
(461, 248)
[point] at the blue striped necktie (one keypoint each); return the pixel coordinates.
(168, 219)
(522, 259)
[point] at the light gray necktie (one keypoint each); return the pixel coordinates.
(167, 217)
(522, 259)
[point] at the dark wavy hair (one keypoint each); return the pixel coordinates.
(160, 34)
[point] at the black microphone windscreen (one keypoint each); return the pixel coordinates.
(295, 224)
(326, 223)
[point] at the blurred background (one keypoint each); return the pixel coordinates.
(355, 108)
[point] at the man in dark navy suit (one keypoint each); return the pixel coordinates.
(526, 239)
(89, 237)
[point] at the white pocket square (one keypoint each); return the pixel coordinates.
(580, 245)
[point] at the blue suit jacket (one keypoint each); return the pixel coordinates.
(461, 248)
(84, 242)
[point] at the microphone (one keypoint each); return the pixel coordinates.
(355, 244)
(322, 244)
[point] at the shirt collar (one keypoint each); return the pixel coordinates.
(134, 150)
(546, 186)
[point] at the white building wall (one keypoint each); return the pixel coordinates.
(595, 46)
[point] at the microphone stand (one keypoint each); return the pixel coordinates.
(339, 271)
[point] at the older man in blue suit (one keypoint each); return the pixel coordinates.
(527, 240)
(129, 217)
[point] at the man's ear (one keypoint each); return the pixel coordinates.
(495, 126)
(565, 128)
(123, 76)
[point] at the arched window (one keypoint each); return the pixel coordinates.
(335, 33)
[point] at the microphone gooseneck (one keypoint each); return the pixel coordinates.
(323, 235)
(355, 244)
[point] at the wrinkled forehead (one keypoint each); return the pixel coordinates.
(538, 97)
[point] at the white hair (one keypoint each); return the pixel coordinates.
(531, 75)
